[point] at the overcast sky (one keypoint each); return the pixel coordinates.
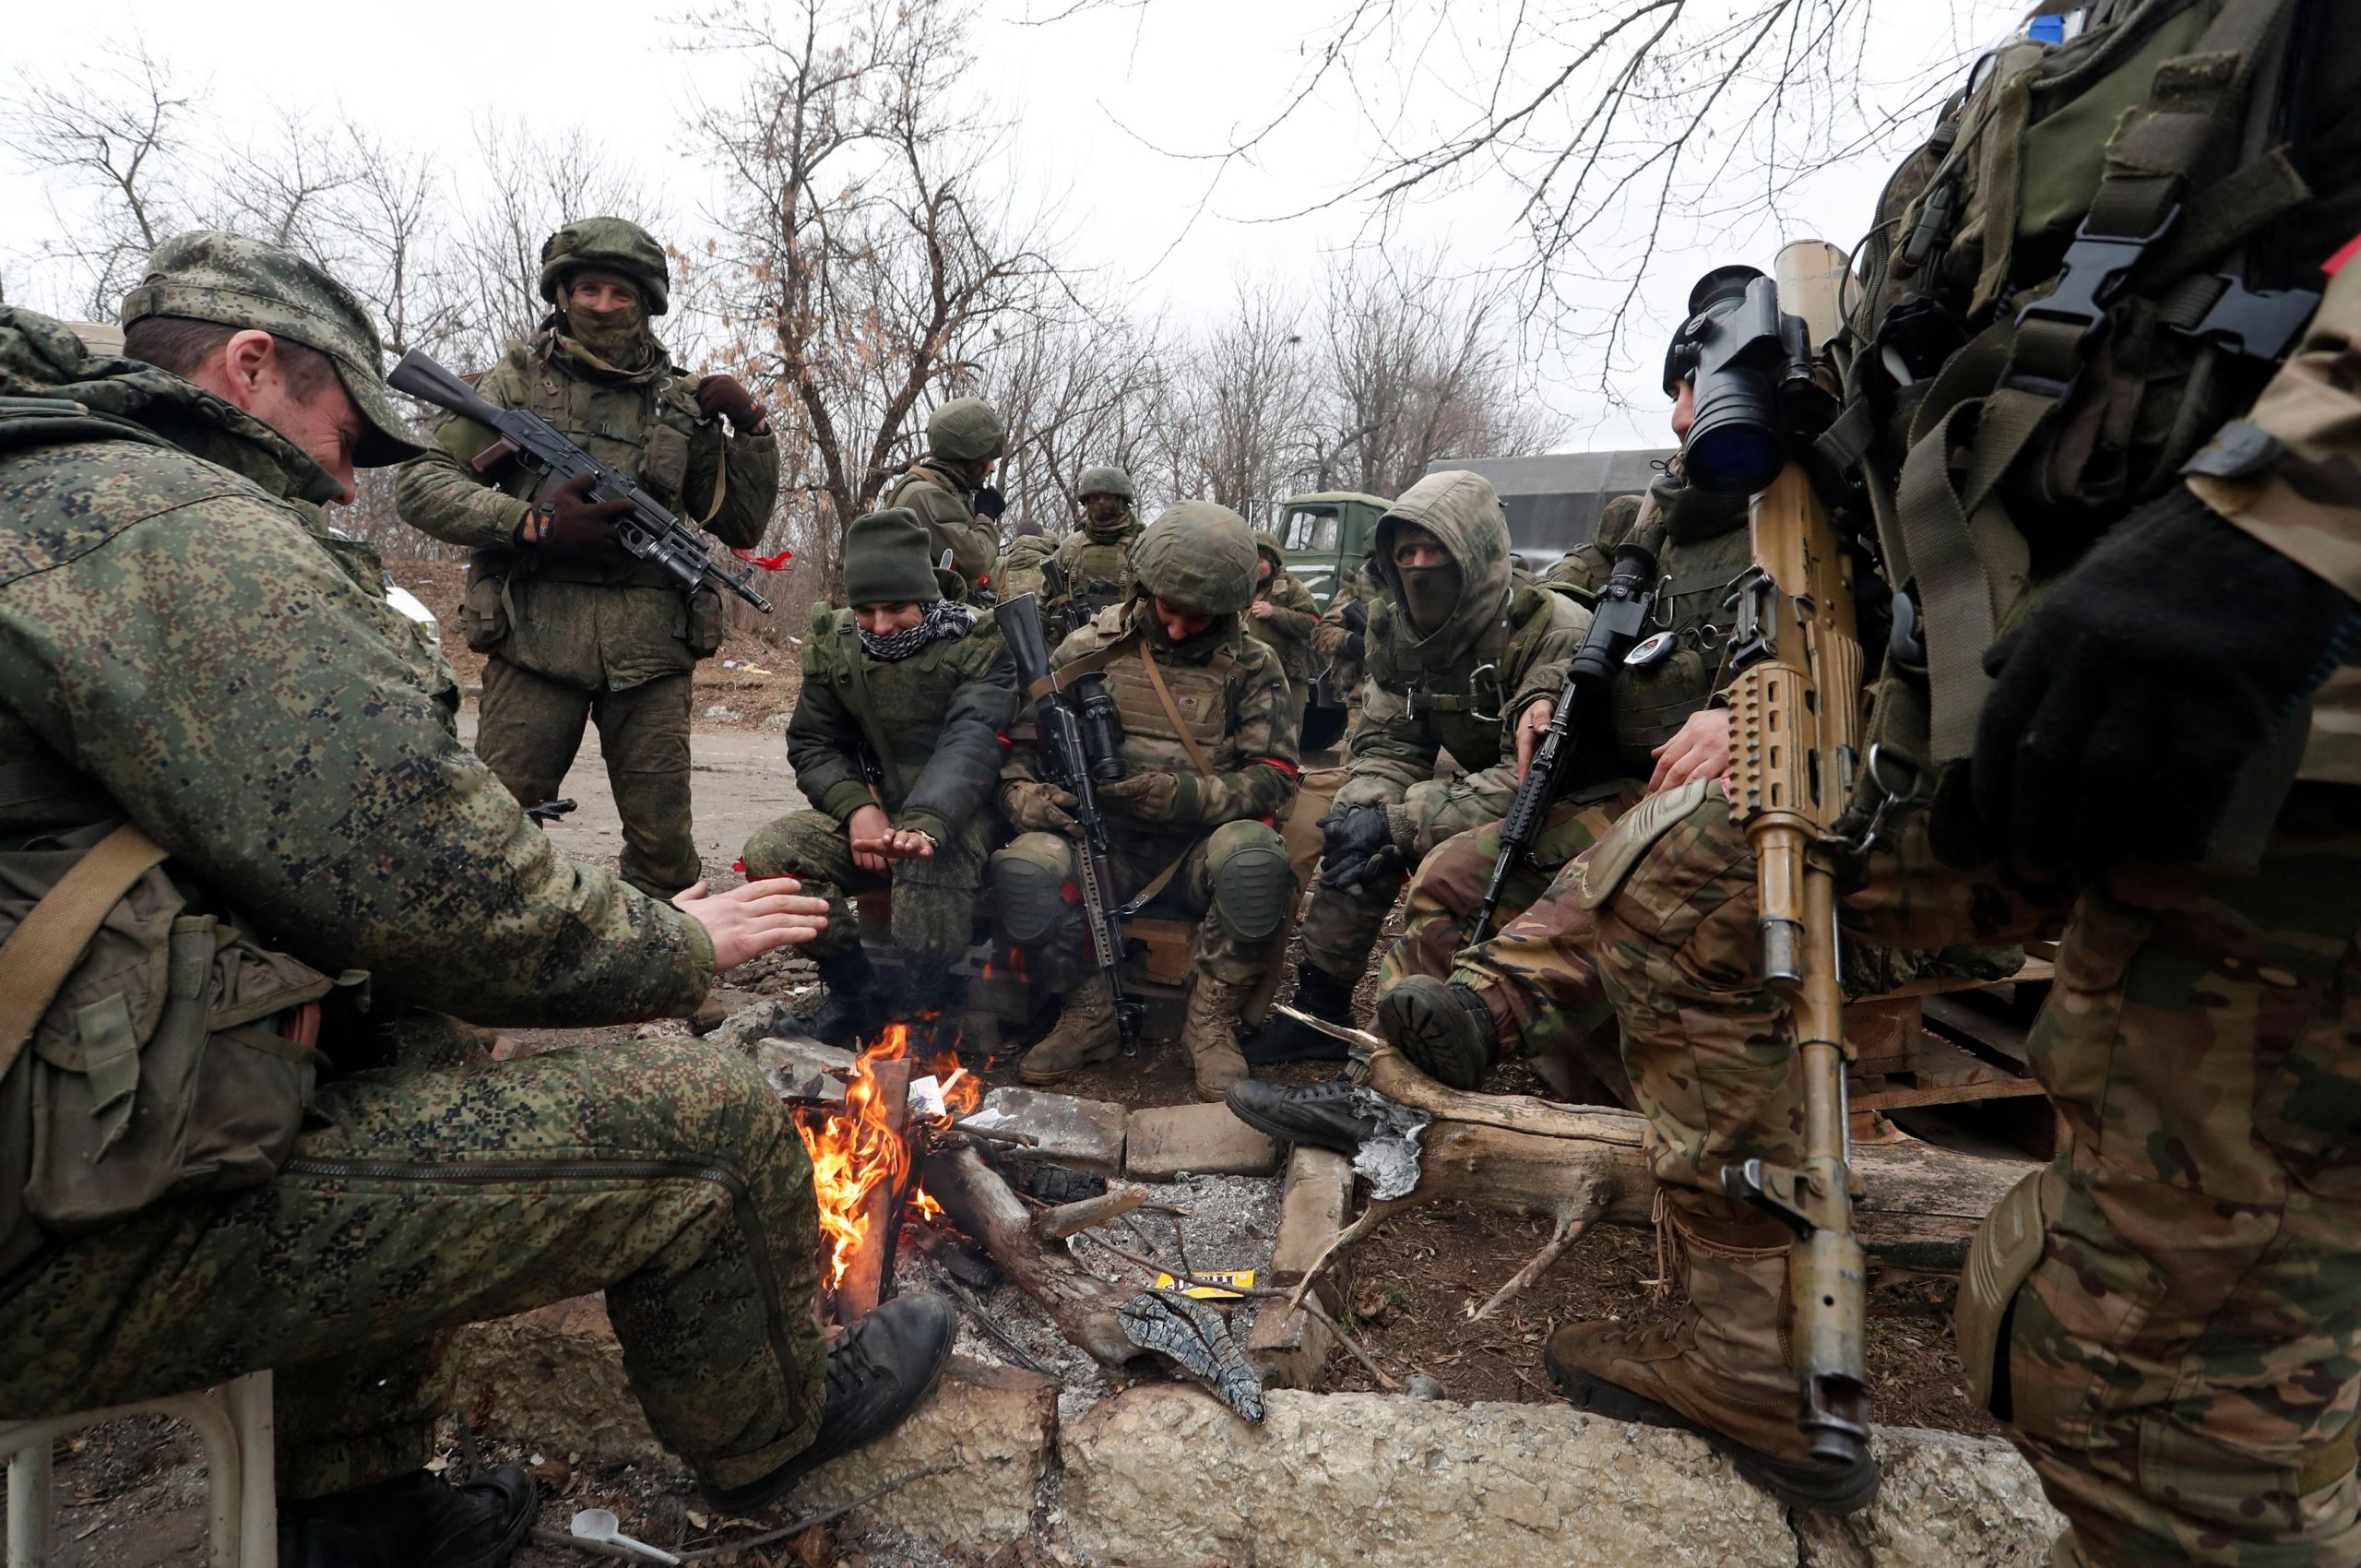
(1102, 103)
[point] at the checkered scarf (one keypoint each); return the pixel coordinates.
(944, 618)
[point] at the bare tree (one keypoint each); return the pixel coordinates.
(1240, 427)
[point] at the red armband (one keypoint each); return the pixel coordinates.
(1282, 764)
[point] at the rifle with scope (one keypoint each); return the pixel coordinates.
(647, 531)
(1077, 741)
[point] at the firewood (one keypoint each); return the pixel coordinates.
(1080, 1303)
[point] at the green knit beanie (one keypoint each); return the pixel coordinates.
(886, 560)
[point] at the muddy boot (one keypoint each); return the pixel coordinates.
(1445, 1030)
(709, 1014)
(1722, 1370)
(877, 1375)
(1211, 1034)
(1086, 1033)
(414, 1521)
(853, 1012)
(1281, 1039)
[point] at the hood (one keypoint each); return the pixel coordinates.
(42, 357)
(1266, 545)
(1464, 512)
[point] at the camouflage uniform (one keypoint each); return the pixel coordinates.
(1093, 573)
(1588, 565)
(178, 647)
(1286, 631)
(936, 719)
(2164, 1315)
(608, 638)
(1459, 690)
(1019, 570)
(964, 437)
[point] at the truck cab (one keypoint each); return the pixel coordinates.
(1326, 537)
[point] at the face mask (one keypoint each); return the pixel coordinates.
(615, 336)
(1429, 594)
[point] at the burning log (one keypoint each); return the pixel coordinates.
(1081, 1304)
(880, 1213)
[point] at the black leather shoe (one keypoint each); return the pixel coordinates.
(1445, 1030)
(1322, 1114)
(1281, 1039)
(414, 1521)
(877, 1375)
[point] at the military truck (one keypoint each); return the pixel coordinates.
(1326, 537)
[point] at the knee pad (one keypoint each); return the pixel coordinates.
(2000, 1256)
(1253, 886)
(1028, 883)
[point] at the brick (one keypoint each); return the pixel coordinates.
(1085, 1133)
(1288, 1348)
(1205, 1140)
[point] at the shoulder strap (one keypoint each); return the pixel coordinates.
(1090, 663)
(1172, 711)
(41, 952)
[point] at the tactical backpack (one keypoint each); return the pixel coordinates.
(2061, 308)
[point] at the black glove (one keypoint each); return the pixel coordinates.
(1353, 647)
(2123, 708)
(727, 396)
(1359, 851)
(565, 523)
(991, 503)
(1356, 616)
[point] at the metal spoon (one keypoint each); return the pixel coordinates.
(600, 1524)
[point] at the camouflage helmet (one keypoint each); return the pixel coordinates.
(965, 429)
(1199, 554)
(1267, 545)
(616, 245)
(1106, 480)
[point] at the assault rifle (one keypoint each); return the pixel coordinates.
(1617, 623)
(1794, 723)
(1063, 748)
(647, 531)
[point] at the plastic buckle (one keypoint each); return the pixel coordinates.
(2261, 324)
(2092, 275)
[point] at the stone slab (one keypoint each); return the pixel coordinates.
(1288, 1348)
(801, 1068)
(1947, 1498)
(1205, 1140)
(1085, 1133)
(553, 1377)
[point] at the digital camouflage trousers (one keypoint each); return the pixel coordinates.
(664, 1173)
(934, 898)
(2181, 1363)
(530, 727)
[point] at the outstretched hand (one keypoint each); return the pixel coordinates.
(1699, 749)
(748, 922)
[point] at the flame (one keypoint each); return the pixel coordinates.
(857, 1149)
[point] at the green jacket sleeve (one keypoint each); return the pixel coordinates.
(750, 493)
(440, 496)
(1293, 615)
(824, 740)
(962, 773)
(227, 685)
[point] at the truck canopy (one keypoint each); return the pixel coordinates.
(1554, 502)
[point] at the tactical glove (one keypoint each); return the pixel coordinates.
(727, 396)
(991, 503)
(2124, 707)
(1356, 615)
(1032, 806)
(1148, 796)
(566, 524)
(1359, 850)
(1353, 648)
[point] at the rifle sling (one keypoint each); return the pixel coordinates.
(41, 952)
(857, 678)
(1172, 711)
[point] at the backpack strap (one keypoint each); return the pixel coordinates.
(41, 952)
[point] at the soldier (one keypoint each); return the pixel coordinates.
(1461, 658)
(895, 739)
(1282, 618)
(1340, 642)
(196, 681)
(2163, 1315)
(1588, 565)
(1019, 571)
(1093, 566)
(574, 629)
(1210, 762)
(950, 490)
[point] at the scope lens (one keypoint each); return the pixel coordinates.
(1732, 458)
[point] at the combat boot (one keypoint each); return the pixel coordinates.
(419, 1520)
(1086, 1033)
(1281, 1039)
(1211, 1035)
(1445, 1030)
(853, 1011)
(877, 1375)
(1326, 1114)
(1722, 1370)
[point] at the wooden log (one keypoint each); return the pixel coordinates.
(1079, 1302)
(1057, 1224)
(880, 1210)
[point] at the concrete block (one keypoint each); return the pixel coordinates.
(1288, 1348)
(1205, 1140)
(1085, 1133)
(1946, 1499)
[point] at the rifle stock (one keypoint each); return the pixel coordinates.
(1019, 620)
(1795, 733)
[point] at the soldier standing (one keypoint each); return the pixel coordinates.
(1092, 570)
(895, 739)
(1282, 618)
(1210, 762)
(573, 627)
(2163, 1315)
(226, 759)
(950, 489)
(1461, 658)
